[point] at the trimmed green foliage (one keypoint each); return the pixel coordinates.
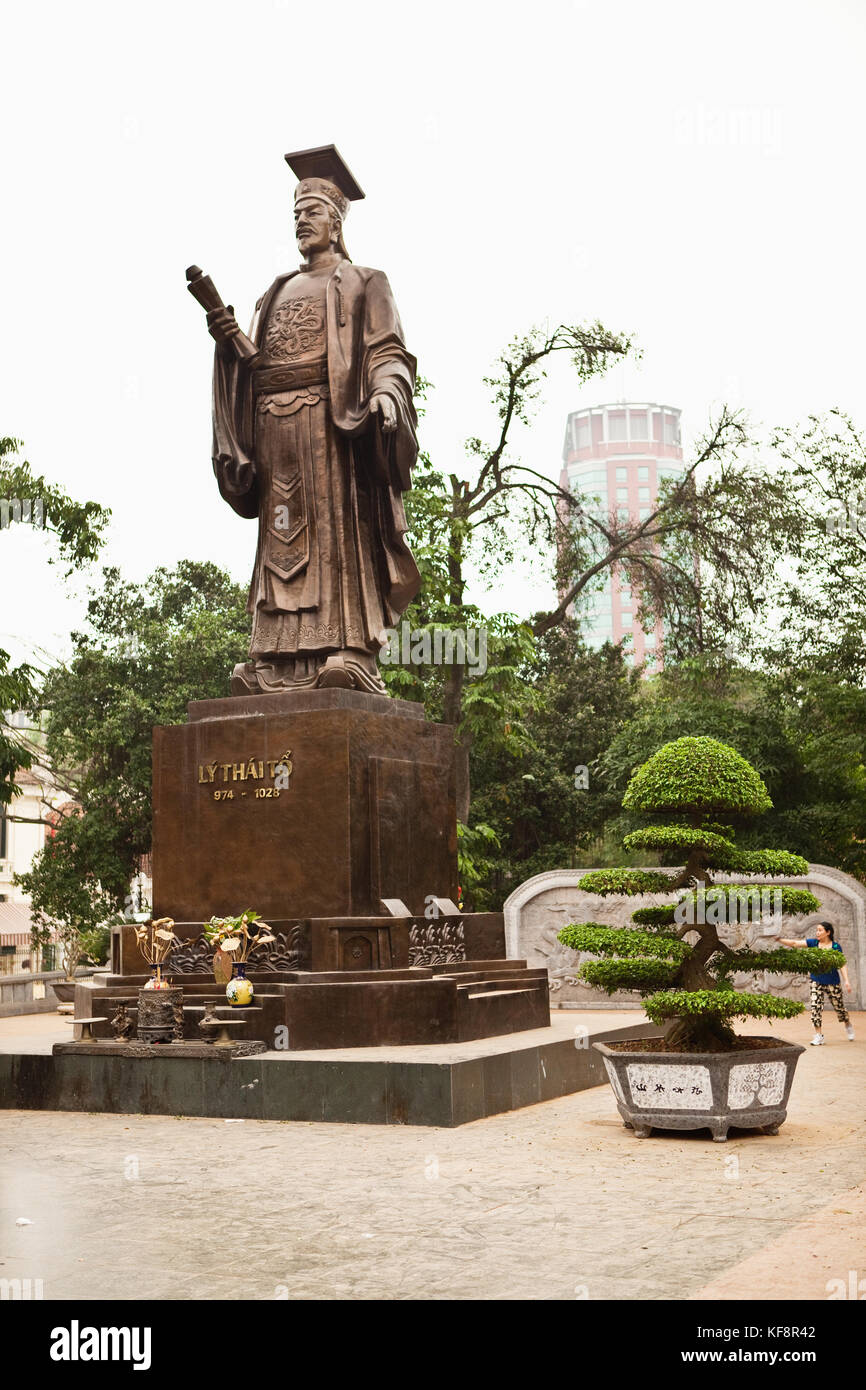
(627, 881)
(771, 861)
(731, 902)
(717, 1003)
(655, 916)
(719, 852)
(697, 774)
(623, 942)
(783, 961)
(637, 973)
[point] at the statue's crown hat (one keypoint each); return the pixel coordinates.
(324, 174)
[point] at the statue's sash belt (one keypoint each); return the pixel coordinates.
(286, 378)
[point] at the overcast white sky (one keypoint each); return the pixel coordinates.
(688, 171)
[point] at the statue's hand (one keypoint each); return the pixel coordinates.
(222, 325)
(385, 406)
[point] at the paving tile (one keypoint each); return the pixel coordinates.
(493, 1208)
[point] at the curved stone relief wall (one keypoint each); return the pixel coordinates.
(537, 910)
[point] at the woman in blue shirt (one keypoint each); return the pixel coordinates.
(825, 983)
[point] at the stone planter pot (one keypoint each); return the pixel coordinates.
(64, 990)
(702, 1090)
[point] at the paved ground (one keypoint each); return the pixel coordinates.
(557, 1201)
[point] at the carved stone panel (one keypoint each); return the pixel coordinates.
(290, 951)
(537, 911)
(436, 942)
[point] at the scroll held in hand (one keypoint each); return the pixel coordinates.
(202, 288)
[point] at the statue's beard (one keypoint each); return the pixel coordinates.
(337, 248)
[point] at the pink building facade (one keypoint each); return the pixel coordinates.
(616, 457)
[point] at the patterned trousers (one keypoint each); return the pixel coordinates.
(816, 1002)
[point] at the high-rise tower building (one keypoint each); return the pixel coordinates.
(620, 454)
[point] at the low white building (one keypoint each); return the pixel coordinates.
(23, 831)
(25, 825)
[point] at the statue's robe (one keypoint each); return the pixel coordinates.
(296, 446)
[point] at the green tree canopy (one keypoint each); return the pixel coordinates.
(699, 776)
(803, 731)
(538, 786)
(76, 530)
(147, 650)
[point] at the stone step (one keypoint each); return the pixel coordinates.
(501, 977)
(230, 1010)
(499, 993)
(502, 982)
(462, 967)
(506, 1004)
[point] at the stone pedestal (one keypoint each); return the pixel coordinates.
(368, 812)
(332, 814)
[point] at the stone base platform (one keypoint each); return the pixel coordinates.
(440, 1085)
(200, 1051)
(306, 1010)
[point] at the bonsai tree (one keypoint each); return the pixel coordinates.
(693, 782)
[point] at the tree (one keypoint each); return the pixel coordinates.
(818, 600)
(148, 649)
(804, 732)
(27, 498)
(480, 520)
(771, 558)
(702, 557)
(706, 558)
(17, 690)
(544, 797)
(688, 986)
(825, 718)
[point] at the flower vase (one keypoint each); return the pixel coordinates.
(239, 990)
(222, 966)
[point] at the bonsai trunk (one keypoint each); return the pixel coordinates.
(708, 1034)
(700, 1032)
(695, 871)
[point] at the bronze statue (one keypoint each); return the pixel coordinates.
(122, 1023)
(314, 434)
